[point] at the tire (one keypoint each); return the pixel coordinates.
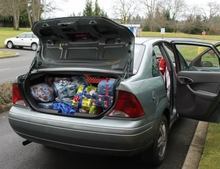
(9, 45)
(157, 153)
(34, 46)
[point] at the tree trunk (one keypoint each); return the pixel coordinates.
(16, 14)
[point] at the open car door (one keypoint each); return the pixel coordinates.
(198, 80)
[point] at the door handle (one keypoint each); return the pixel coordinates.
(202, 93)
(185, 80)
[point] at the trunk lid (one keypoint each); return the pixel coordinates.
(91, 42)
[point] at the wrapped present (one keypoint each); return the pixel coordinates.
(104, 101)
(90, 90)
(106, 87)
(42, 92)
(64, 88)
(86, 104)
(81, 89)
(77, 101)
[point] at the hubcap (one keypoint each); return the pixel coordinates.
(162, 140)
(9, 45)
(34, 47)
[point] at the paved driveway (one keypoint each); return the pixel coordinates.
(10, 68)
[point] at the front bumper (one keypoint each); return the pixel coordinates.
(106, 135)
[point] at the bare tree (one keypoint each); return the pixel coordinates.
(34, 10)
(12, 8)
(214, 9)
(150, 6)
(125, 9)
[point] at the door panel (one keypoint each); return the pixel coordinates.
(198, 95)
(198, 81)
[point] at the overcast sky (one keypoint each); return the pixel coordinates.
(67, 7)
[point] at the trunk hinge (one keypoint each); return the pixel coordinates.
(127, 68)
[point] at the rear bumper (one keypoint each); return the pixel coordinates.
(119, 137)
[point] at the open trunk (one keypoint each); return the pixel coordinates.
(71, 94)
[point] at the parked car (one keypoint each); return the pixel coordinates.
(93, 88)
(26, 39)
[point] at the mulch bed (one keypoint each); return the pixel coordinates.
(5, 107)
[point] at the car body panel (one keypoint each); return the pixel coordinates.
(106, 134)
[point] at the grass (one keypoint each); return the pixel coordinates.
(211, 154)
(4, 54)
(182, 35)
(10, 32)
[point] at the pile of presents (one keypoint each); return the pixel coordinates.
(77, 94)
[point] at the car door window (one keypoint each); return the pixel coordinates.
(28, 35)
(197, 57)
(156, 55)
(170, 53)
(22, 36)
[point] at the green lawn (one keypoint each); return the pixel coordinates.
(9, 32)
(182, 35)
(211, 154)
(6, 54)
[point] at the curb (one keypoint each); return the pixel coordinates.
(10, 56)
(196, 147)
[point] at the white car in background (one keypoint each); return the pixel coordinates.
(26, 39)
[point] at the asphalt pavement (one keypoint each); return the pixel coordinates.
(10, 68)
(13, 155)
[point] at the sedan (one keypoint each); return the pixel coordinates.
(93, 87)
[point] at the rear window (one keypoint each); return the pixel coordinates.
(138, 55)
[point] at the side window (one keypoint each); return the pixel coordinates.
(156, 54)
(198, 57)
(170, 53)
(21, 35)
(209, 59)
(28, 35)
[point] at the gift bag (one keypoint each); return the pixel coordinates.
(42, 92)
(106, 87)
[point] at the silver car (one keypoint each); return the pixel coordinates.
(25, 39)
(155, 81)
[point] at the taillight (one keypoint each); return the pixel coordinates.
(127, 105)
(16, 95)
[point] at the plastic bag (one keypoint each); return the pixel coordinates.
(42, 92)
(63, 108)
(64, 87)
